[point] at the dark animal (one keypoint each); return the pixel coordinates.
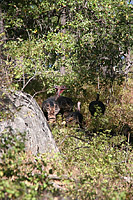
(57, 104)
(75, 117)
(65, 103)
(96, 106)
(51, 107)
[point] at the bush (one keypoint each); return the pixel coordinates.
(22, 176)
(96, 167)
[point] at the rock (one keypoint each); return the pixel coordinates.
(19, 112)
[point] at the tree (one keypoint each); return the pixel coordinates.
(96, 37)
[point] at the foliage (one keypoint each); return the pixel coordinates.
(95, 162)
(98, 159)
(96, 166)
(88, 167)
(22, 176)
(5, 107)
(92, 39)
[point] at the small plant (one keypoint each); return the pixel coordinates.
(95, 166)
(22, 176)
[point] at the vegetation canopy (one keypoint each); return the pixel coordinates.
(87, 47)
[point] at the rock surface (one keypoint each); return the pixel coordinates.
(24, 115)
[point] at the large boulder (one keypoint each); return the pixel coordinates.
(20, 112)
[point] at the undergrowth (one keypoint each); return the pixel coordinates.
(94, 166)
(94, 162)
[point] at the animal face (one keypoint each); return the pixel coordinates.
(52, 110)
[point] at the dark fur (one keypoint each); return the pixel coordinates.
(75, 117)
(94, 104)
(57, 104)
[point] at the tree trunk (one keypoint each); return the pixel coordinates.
(2, 34)
(128, 64)
(63, 22)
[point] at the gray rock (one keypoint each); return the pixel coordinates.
(25, 116)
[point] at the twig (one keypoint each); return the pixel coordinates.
(54, 177)
(37, 93)
(34, 96)
(28, 81)
(73, 137)
(81, 147)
